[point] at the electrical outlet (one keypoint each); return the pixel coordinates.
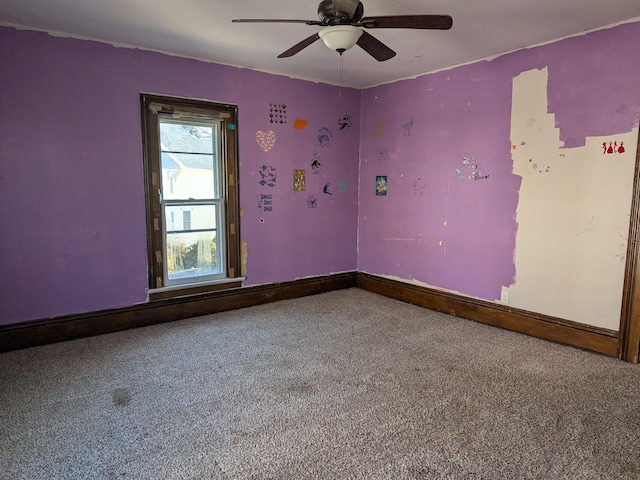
(504, 296)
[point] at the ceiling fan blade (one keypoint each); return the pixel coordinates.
(299, 46)
(375, 47)
(275, 20)
(431, 22)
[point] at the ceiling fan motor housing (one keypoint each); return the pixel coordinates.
(327, 17)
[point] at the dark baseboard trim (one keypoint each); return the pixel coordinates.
(42, 332)
(541, 326)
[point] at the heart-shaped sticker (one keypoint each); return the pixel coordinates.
(266, 140)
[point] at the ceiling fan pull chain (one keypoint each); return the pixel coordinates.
(341, 73)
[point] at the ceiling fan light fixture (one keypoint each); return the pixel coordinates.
(340, 37)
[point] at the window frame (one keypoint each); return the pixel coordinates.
(153, 107)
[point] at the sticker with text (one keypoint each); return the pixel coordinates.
(265, 203)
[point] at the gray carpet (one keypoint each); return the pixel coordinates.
(346, 384)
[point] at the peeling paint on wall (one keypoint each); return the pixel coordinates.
(571, 217)
(244, 257)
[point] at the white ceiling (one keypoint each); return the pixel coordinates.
(202, 29)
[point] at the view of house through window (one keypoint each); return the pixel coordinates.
(191, 200)
(191, 192)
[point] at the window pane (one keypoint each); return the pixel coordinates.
(192, 255)
(186, 176)
(191, 241)
(187, 137)
(184, 217)
(189, 160)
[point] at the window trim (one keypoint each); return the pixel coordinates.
(151, 106)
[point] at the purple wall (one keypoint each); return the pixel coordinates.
(456, 233)
(72, 204)
(71, 181)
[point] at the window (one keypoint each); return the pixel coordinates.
(192, 195)
(186, 220)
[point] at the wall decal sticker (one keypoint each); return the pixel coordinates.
(343, 185)
(324, 137)
(345, 123)
(380, 127)
(299, 181)
(267, 176)
(478, 176)
(613, 147)
(534, 166)
(381, 185)
(407, 128)
(383, 157)
(300, 124)
(471, 163)
(316, 164)
(312, 201)
(325, 189)
(265, 203)
(277, 113)
(266, 140)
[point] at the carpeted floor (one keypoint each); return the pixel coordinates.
(346, 384)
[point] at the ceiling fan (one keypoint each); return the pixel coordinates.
(343, 24)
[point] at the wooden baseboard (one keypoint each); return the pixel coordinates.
(541, 326)
(42, 332)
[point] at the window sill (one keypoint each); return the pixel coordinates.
(176, 291)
